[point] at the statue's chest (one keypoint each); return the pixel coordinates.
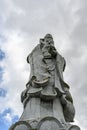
(50, 64)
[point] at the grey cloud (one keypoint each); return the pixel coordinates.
(80, 31)
(40, 16)
(78, 64)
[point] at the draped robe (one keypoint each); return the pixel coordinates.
(52, 69)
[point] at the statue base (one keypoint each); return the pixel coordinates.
(47, 123)
(42, 115)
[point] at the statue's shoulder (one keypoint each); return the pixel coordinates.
(60, 57)
(36, 49)
(61, 60)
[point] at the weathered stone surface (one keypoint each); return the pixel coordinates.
(48, 104)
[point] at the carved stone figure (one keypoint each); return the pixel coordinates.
(48, 104)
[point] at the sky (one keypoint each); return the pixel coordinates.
(22, 24)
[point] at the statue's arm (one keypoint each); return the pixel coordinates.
(61, 63)
(28, 58)
(64, 64)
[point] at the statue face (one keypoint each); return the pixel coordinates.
(48, 39)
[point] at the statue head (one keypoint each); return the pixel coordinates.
(48, 38)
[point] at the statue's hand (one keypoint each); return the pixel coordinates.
(23, 95)
(52, 51)
(30, 82)
(63, 100)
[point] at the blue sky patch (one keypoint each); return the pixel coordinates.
(6, 111)
(1, 73)
(3, 124)
(2, 55)
(3, 92)
(15, 119)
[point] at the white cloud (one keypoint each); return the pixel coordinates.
(8, 118)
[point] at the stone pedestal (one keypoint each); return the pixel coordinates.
(41, 115)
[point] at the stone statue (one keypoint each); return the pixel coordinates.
(48, 104)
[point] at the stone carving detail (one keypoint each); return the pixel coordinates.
(47, 101)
